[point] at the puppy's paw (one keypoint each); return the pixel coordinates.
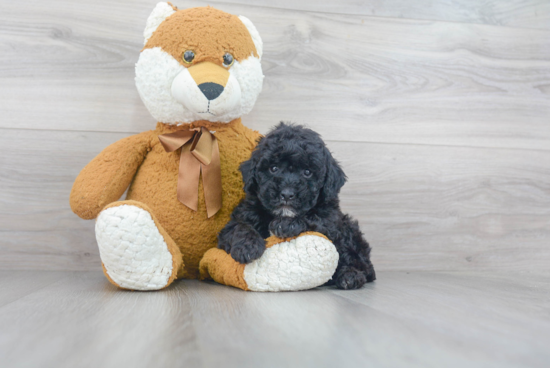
(351, 278)
(251, 246)
(287, 227)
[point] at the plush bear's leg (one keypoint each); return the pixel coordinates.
(300, 263)
(136, 252)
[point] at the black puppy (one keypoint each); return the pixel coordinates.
(292, 183)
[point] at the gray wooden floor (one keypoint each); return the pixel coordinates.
(405, 319)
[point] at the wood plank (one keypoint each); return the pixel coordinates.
(511, 307)
(384, 79)
(512, 294)
(17, 284)
(510, 13)
(421, 207)
(85, 321)
(449, 207)
(38, 170)
(403, 319)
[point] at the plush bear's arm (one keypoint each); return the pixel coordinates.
(108, 175)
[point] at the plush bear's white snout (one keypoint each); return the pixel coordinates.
(186, 91)
(172, 94)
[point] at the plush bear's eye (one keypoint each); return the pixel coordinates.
(228, 59)
(273, 169)
(188, 56)
(307, 173)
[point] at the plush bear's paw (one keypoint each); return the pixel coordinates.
(350, 278)
(134, 253)
(302, 263)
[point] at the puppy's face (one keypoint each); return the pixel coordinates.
(291, 171)
(289, 179)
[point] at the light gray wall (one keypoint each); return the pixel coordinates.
(438, 110)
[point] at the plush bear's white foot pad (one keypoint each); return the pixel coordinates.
(299, 264)
(132, 249)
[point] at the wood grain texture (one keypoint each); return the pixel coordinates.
(16, 285)
(442, 127)
(84, 322)
(403, 319)
(449, 207)
(421, 207)
(510, 13)
(68, 67)
(39, 229)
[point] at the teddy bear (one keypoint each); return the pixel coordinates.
(198, 73)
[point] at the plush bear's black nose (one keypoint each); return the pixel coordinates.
(287, 194)
(211, 90)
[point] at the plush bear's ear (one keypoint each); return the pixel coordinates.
(254, 34)
(334, 179)
(159, 14)
(248, 170)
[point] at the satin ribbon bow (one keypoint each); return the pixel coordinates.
(199, 152)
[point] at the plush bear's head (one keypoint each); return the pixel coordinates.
(199, 64)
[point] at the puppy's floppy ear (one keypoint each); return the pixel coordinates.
(334, 179)
(248, 171)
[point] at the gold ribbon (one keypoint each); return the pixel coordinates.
(199, 152)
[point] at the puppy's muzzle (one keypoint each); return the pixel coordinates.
(287, 195)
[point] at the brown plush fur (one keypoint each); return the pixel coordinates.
(196, 25)
(217, 265)
(106, 177)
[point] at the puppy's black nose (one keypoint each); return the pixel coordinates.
(211, 90)
(287, 194)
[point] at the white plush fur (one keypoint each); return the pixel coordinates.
(155, 72)
(186, 92)
(302, 263)
(132, 249)
(254, 34)
(285, 212)
(159, 14)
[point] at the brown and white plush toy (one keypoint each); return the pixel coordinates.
(198, 73)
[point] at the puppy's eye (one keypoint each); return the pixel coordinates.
(188, 56)
(228, 59)
(307, 173)
(273, 169)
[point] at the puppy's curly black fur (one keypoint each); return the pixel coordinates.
(292, 183)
